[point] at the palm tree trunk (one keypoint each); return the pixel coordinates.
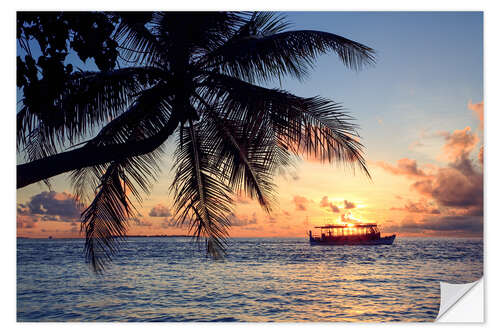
(89, 155)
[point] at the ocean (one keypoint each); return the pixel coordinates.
(260, 279)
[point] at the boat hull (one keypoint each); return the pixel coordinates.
(381, 241)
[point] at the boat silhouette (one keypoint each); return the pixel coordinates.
(349, 234)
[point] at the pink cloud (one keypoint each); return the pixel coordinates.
(459, 143)
(422, 206)
(300, 202)
(237, 221)
(26, 222)
(324, 203)
(405, 166)
(160, 211)
(53, 206)
(478, 109)
(349, 204)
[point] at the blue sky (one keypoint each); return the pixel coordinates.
(429, 66)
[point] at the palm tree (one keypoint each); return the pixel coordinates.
(194, 76)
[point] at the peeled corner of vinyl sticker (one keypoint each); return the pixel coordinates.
(461, 303)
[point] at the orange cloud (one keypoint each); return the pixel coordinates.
(349, 204)
(452, 225)
(160, 211)
(325, 203)
(422, 206)
(140, 222)
(300, 202)
(478, 109)
(26, 222)
(452, 188)
(404, 167)
(240, 199)
(55, 206)
(242, 221)
(459, 143)
(452, 196)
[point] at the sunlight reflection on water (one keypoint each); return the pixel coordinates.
(262, 279)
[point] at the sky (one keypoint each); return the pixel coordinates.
(420, 112)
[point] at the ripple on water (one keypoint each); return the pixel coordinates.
(168, 279)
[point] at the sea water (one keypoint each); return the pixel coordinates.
(260, 279)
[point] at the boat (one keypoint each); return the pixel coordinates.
(350, 234)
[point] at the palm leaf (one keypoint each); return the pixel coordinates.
(88, 102)
(137, 42)
(202, 200)
(246, 158)
(271, 53)
(105, 220)
(315, 127)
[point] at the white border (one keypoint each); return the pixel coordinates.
(492, 137)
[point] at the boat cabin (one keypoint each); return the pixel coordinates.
(349, 234)
(332, 231)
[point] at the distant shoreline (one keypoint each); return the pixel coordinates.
(128, 236)
(187, 236)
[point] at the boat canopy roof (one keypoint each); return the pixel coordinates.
(356, 225)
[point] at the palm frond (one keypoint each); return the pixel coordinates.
(202, 200)
(315, 127)
(137, 43)
(90, 100)
(262, 24)
(146, 117)
(271, 53)
(248, 159)
(105, 220)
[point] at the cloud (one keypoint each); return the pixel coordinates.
(466, 224)
(347, 217)
(300, 202)
(422, 206)
(242, 221)
(349, 205)
(160, 211)
(451, 187)
(57, 206)
(138, 221)
(169, 222)
(26, 222)
(240, 199)
(459, 143)
(440, 225)
(325, 203)
(405, 166)
(456, 189)
(478, 109)
(460, 184)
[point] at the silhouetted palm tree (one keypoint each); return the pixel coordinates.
(194, 75)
